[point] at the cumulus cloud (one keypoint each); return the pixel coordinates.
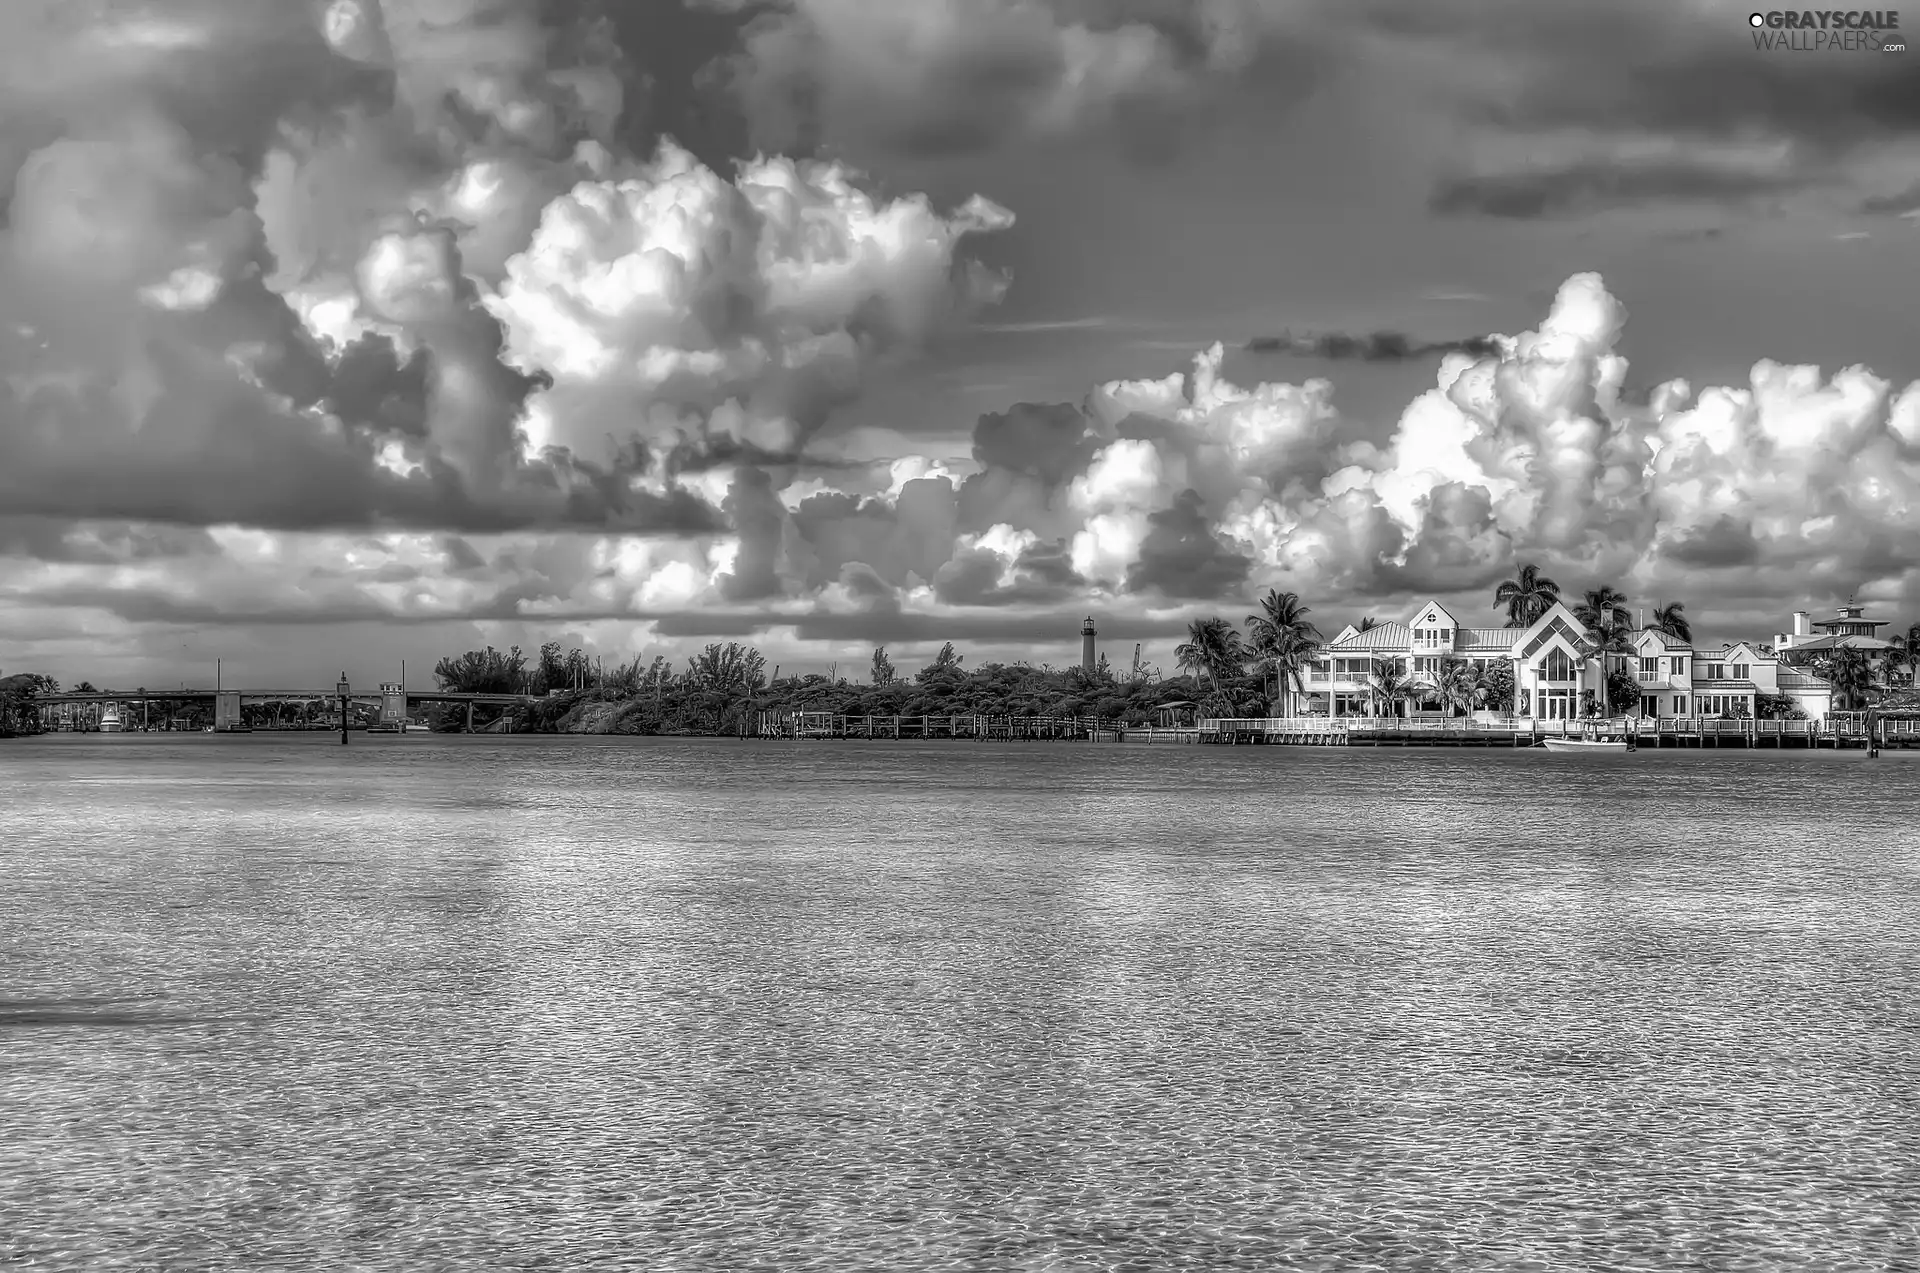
(944, 77)
(395, 263)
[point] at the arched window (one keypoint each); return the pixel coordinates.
(1557, 666)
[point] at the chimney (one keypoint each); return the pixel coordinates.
(1086, 644)
(1801, 625)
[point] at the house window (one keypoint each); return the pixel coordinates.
(1556, 666)
(1714, 671)
(1679, 704)
(1740, 671)
(1650, 667)
(1678, 666)
(1649, 705)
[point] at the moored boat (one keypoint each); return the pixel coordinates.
(1585, 744)
(110, 722)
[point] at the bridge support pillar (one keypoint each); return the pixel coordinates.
(226, 711)
(469, 718)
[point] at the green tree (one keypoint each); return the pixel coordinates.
(1851, 673)
(1463, 687)
(1391, 685)
(1283, 641)
(1671, 620)
(1498, 682)
(1605, 605)
(883, 673)
(1213, 651)
(1526, 597)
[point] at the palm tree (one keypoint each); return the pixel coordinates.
(1463, 686)
(1668, 620)
(1603, 605)
(1369, 623)
(1852, 675)
(1906, 653)
(1526, 597)
(1611, 642)
(1283, 639)
(1213, 648)
(1392, 685)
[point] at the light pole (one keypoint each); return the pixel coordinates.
(343, 690)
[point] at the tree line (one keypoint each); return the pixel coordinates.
(1255, 668)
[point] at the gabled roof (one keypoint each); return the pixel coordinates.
(1443, 617)
(1795, 679)
(1557, 619)
(1388, 636)
(1345, 632)
(1737, 649)
(1668, 643)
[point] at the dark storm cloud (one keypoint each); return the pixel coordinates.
(100, 543)
(1898, 205)
(1727, 542)
(1589, 185)
(1372, 347)
(1182, 558)
(1042, 575)
(1045, 440)
(1687, 75)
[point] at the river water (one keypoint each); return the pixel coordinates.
(427, 1003)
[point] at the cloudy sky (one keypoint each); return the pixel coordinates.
(341, 334)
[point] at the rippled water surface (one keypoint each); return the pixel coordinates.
(432, 1003)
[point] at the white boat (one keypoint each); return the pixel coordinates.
(110, 719)
(1585, 744)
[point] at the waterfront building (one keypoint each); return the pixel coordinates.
(1677, 680)
(1552, 670)
(1849, 628)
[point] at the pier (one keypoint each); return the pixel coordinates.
(1844, 730)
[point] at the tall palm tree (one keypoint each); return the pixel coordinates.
(1392, 685)
(1669, 620)
(1611, 642)
(1213, 648)
(1605, 604)
(1283, 639)
(1369, 623)
(1526, 596)
(1851, 673)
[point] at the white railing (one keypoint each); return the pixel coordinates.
(1537, 726)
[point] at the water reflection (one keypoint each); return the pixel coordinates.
(457, 1003)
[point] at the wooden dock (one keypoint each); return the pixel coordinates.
(1839, 731)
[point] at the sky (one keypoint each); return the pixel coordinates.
(341, 336)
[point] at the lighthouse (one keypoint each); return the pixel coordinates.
(1086, 645)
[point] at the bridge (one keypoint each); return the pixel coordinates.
(394, 701)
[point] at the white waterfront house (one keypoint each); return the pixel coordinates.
(1677, 680)
(1550, 668)
(1552, 671)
